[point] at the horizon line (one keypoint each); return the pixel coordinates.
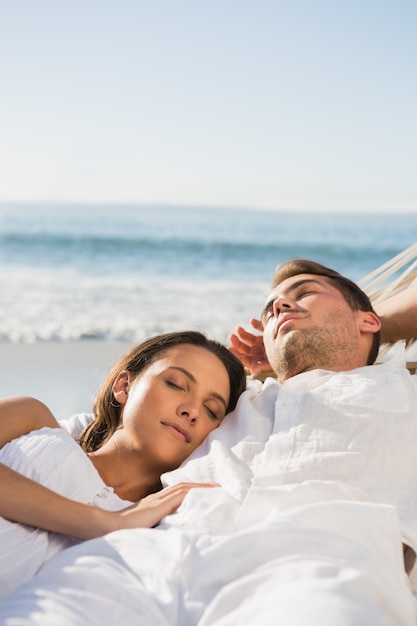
(206, 206)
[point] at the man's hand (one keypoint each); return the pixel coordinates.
(249, 348)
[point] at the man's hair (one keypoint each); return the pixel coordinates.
(354, 296)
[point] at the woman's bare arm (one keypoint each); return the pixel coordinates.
(20, 415)
(27, 502)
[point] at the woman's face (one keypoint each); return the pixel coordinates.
(169, 408)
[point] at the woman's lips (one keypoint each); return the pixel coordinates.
(178, 431)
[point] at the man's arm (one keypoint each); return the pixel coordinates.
(398, 315)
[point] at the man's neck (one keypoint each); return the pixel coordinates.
(340, 367)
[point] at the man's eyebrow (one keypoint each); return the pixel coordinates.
(194, 380)
(287, 291)
(301, 282)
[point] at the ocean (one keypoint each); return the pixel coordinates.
(115, 272)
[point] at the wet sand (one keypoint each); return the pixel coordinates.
(66, 376)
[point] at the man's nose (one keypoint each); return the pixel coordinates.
(281, 304)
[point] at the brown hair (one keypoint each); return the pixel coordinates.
(107, 411)
(354, 296)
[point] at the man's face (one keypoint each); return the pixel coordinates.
(308, 325)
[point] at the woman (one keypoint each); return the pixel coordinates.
(156, 406)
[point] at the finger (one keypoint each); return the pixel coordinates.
(158, 505)
(245, 360)
(188, 486)
(180, 489)
(257, 324)
(246, 336)
(238, 347)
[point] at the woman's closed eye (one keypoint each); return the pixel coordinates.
(176, 385)
(214, 413)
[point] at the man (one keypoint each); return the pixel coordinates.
(316, 319)
(397, 314)
(319, 493)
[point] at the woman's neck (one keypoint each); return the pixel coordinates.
(125, 472)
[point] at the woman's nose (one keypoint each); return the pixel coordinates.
(189, 411)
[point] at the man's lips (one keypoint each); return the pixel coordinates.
(282, 321)
(178, 431)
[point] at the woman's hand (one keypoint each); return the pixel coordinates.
(150, 510)
(249, 348)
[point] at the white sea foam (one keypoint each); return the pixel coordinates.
(53, 307)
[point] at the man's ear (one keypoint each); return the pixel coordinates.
(369, 322)
(121, 387)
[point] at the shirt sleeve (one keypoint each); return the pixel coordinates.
(75, 424)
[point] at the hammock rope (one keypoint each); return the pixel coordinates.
(371, 282)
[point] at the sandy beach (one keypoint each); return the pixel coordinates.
(64, 375)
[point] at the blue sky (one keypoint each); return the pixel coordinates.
(285, 104)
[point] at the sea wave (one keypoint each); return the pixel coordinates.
(178, 255)
(75, 273)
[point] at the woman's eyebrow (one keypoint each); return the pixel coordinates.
(193, 380)
(184, 371)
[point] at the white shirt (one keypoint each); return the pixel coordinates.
(319, 436)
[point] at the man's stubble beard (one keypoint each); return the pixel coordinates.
(326, 347)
